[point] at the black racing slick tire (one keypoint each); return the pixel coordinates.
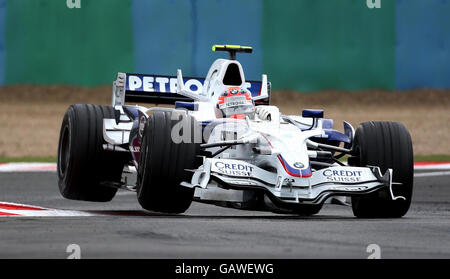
(83, 164)
(386, 145)
(163, 164)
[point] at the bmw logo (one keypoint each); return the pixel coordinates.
(234, 91)
(298, 165)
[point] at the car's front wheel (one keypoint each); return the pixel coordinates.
(386, 145)
(164, 163)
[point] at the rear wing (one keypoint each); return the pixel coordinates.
(159, 89)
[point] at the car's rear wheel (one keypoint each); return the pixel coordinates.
(163, 164)
(386, 145)
(82, 163)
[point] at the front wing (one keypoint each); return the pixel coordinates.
(322, 184)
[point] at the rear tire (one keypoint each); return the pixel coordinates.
(386, 145)
(82, 163)
(163, 163)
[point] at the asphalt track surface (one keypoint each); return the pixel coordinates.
(207, 231)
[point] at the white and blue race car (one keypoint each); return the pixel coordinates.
(223, 143)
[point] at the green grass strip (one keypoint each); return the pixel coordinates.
(43, 159)
(432, 158)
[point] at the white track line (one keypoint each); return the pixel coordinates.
(433, 167)
(48, 212)
(28, 167)
(436, 173)
(24, 210)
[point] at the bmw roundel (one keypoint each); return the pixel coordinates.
(298, 165)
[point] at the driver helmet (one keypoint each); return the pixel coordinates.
(236, 102)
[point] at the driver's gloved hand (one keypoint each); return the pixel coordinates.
(264, 113)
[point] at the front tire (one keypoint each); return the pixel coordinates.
(163, 163)
(386, 145)
(82, 163)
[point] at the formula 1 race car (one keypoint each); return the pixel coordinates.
(223, 143)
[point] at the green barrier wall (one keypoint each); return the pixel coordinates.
(48, 43)
(305, 45)
(333, 44)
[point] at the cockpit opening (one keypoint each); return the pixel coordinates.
(232, 75)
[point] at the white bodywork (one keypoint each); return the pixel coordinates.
(281, 166)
